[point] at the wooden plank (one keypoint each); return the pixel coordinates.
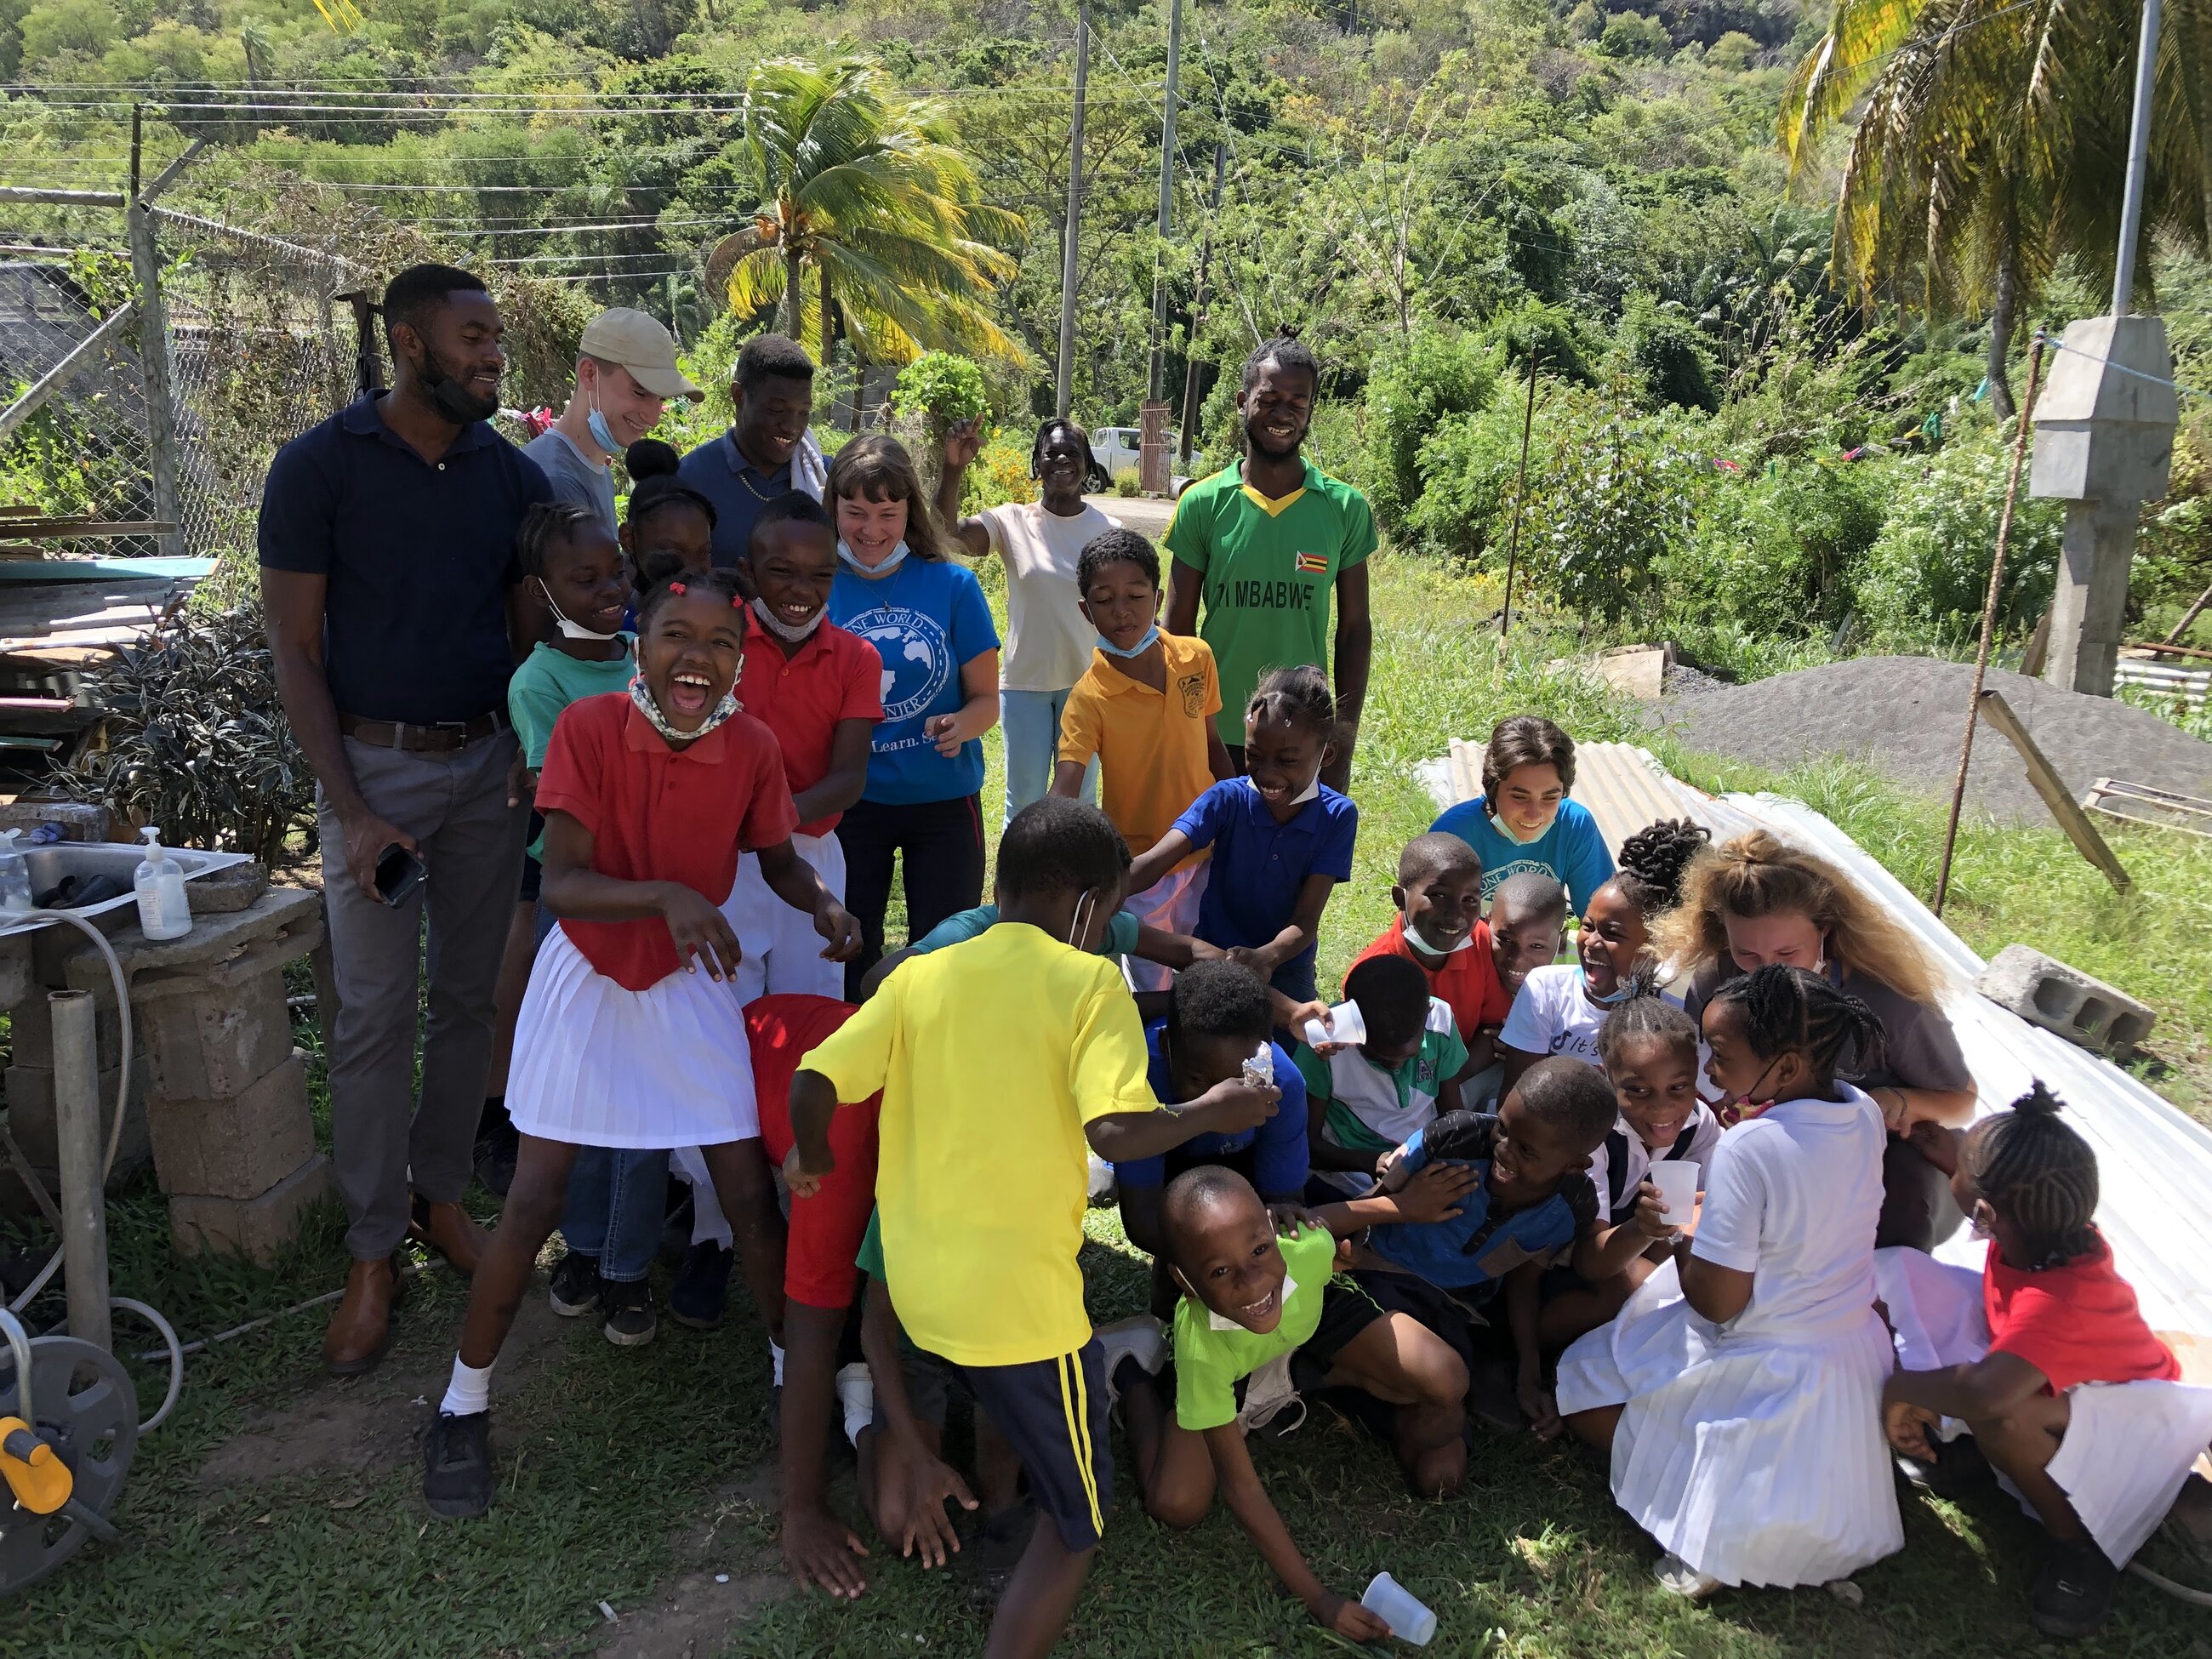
(52, 381)
(76, 529)
(2044, 775)
(2110, 795)
(2161, 648)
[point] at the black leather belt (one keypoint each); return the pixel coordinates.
(443, 738)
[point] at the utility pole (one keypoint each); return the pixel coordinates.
(1198, 317)
(2124, 268)
(1064, 379)
(1152, 417)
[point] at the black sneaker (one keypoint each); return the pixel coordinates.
(629, 1313)
(457, 1471)
(574, 1289)
(2074, 1592)
(498, 1144)
(1957, 1470)
(702, 1286)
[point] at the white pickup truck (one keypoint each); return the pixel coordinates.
(1115, 449)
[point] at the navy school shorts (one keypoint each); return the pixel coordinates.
(1053, 1414)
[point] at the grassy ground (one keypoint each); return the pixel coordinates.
(277, 1513)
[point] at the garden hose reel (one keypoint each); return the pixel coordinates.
(69, 1427)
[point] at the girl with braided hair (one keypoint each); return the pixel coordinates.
(1560, 1009)
(2048, 1363)
(1049, 642)
(1757, 900)
(1737, 1393)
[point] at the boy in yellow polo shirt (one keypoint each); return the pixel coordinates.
(1146, 708)
(998, 1059)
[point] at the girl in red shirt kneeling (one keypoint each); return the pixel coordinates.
(631, 1034)
(2047, 1362)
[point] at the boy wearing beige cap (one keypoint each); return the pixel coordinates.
(626, 373)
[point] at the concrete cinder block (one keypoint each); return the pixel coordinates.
(238, 1148)
(2045, 991)
(30, 1093)
(259, 1228)
(216, 1040)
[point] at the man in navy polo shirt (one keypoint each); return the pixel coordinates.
(767, 451)
(389, 578)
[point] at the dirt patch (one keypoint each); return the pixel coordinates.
(348, 1425)
(1905, 715)
(694, 1616)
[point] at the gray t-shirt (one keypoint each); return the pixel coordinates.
(573, 478)
(1919, 1049)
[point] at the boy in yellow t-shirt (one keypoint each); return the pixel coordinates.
(998, 1059)
(1146, 708)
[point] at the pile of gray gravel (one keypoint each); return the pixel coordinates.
(1904, 715)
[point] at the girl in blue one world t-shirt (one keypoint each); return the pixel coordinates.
(1522, 819)
(927, 619)
(1281, 837)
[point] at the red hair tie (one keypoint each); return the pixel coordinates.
(676, 587)
(737, 601)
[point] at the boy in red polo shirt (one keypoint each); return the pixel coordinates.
(630, 1035)
(818, 689)
(1439, 924)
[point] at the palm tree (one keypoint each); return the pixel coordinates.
(871, 199)
(1993, 144)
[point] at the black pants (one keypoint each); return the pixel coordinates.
(943, 844)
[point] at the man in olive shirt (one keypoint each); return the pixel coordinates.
(1268, 542)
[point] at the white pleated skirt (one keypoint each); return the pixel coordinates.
(596, 1065)
(2128, 1446)
(1755, 1463)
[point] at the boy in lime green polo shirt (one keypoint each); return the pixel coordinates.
(1269, 543)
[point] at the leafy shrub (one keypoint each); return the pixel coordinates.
(1127, 482)
(1632, 34)
(1777, 554)
(1661, 352)
(1414, 386)
(196, 740)
(1561, 342)
(941, 386)
(1617, 495)
(1734, 51)
(1925, 579)
(1467, 466)
(1000, 474)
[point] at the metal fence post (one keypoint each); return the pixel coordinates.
(154, 352)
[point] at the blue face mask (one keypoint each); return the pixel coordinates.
(892, 561)
(1139, 650)
(602, 434)
(1619, 995)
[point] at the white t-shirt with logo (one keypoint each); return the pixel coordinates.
(1551, 1016)
(1048, 639)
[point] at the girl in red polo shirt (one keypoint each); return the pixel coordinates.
(2069, 1395)
(631, 1034)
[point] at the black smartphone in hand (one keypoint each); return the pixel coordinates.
(398, 873)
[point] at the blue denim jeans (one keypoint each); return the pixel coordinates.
(617, 1201)
(1031, 722)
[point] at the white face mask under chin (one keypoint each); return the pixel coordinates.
(782, 630)
(1421, 941)
(1312, 789)
(574, 630)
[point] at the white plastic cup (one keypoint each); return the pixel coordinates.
(1390, 1602)
(1677, 1182)
(1347, 1024)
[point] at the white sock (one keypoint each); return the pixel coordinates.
(775, 1361)
(856, 1393)
(469, 1393)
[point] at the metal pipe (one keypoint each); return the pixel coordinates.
(19, 1345)
(2124, 268)
(84, 1195)
(107, 198)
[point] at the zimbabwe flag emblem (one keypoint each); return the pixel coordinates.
(1313, 564)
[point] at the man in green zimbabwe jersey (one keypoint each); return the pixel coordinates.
(1267, 543)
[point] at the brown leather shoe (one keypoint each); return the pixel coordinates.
(448, 1229)
(360, 1332)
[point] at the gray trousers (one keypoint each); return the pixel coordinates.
(384, 1138)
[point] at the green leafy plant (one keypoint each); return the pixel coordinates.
(196, 740)
(1433, 374)
(1926, 578)
(941, 388)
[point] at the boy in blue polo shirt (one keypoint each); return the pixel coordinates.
(1528, 1198)
(1218, 1021)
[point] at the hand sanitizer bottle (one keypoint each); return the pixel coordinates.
(15, 874)
(163, 910)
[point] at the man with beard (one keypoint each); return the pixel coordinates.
(1267, 542)
(767, 449)
(389, 577)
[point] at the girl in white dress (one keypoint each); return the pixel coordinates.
(631, 1034)
(1738, 1392)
